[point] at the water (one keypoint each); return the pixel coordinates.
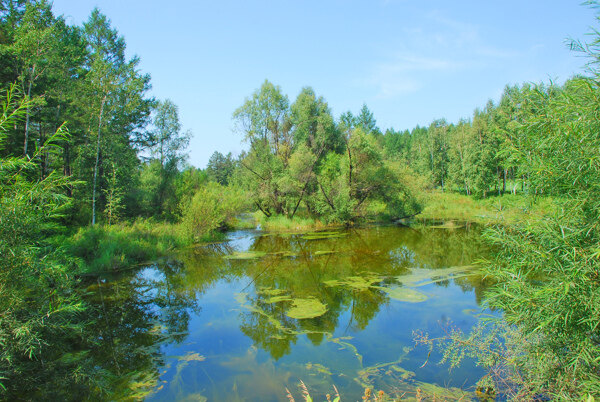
(245, 319)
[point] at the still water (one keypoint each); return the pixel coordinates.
(250, 317)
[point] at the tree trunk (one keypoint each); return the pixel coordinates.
(97, 159)
(27, 117)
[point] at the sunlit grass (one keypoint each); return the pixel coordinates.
(281, 223)
(505, 209)
(121, 246)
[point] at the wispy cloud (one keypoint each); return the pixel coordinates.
(402, 74)
(439, 46)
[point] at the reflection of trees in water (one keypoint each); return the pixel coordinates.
(131, 317)
(299, 265)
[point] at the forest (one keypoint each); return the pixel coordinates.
(94, 178)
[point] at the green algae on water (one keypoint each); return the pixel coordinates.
(362, 282)
(306, 308)
(404, 294)
(245, 255)
(323, 235)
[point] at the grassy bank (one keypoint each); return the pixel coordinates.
(506, 209)
(121, 246)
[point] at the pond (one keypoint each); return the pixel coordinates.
(250, 317)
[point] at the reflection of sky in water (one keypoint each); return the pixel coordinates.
(217, 360)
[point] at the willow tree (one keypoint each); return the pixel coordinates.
(264, 122)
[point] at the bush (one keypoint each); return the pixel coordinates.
(214, 207)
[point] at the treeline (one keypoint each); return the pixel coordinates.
(476, 156)
(124, 148)
(301, 158)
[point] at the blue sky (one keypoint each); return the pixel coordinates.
(410, 61)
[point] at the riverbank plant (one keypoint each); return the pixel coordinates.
(507, 209)
(547, 272)
(214, 207)
(102, 248)
(40, 306)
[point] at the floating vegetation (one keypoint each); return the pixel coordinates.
(356, 282)
(431, 390)
(278, 299)
(392, 370)
(306, 308)
(346, 345)
(192, 357)
(315, 307)
(323, 235)
(245, 255)
(318, 368)
(271, 291)
(324, 252)
(421, 277)
(273, 295)
(284, 254)
(404, 294)
(177, 382)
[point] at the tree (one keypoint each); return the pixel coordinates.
(220, 167)
(36, 47)
(313, 124)
(366, 121)
(168, 149)
(263, 119)
(437, 148)
(116, 92)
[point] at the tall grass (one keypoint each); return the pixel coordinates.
(506, 209)
(281, 223)
(121, 246)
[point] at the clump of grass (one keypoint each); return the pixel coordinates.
(280, 223)
(121, 246)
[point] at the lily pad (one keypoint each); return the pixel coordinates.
(306, 308)
(404, 294)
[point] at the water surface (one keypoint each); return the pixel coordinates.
(244, 319)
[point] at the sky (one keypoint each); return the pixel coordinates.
(409, 61)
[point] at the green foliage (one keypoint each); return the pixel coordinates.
(38, 298)
(212, 208)
(123, 246)
(548, 272)
(220, 167)
(336, 173)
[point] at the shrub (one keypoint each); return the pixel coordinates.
(212, 208)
